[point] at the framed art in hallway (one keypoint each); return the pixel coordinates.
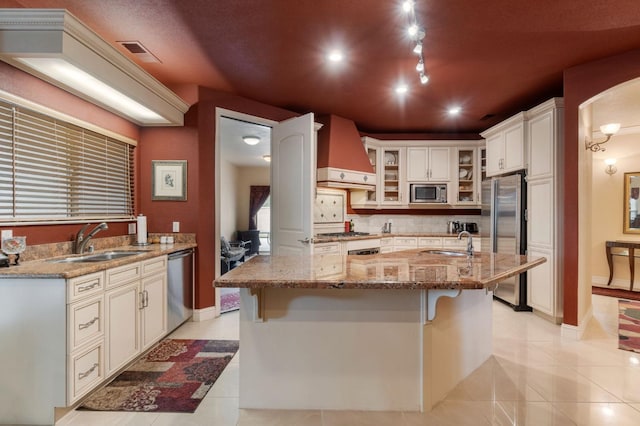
(169, 180)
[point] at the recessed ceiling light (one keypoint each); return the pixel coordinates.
(401, 89)
(335, 55)
(251, 140)
(455, 110)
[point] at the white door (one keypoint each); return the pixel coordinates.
(292, 186)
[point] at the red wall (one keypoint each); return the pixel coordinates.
(580, 84)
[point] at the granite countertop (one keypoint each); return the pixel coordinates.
(45, 268)
(407, 269)
(325, 239)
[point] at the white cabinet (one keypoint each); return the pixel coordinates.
(391, 177)
(428, 164)
(505, 144)
(386, 245)
(136, 304)
(404, 243)
(123, 335)
(544, 132)
(327, 248)
(430, 242)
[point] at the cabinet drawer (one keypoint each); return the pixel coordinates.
(85, 321)
(328, 248)
(123, 274)
(86, 371)
(454, 243)
(85, 286)
(430, 242)
(405, 241)
(155, 265)
(386, 242)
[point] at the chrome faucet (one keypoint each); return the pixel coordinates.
(469, 241)
(81, 240)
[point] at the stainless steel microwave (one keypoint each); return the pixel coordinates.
(428, 193)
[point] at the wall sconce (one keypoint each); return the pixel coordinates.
(608, 130)
(266, 158)
(56, 47)
(611, 168)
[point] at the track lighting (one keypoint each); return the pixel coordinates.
(416, 33)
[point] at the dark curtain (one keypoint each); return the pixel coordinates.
(257, 197)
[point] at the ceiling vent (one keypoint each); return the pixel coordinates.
(139, 51)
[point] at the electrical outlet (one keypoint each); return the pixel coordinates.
(132, 228)
(6, 233)
(176, 226)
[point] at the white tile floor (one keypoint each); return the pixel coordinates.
(534, 378)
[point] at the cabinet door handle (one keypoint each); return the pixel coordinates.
(146, 298)
(88, 323)
(141, 303)
(88, 372)
(88, 287)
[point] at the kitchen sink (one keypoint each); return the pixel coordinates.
(445, 252)
(98, 257)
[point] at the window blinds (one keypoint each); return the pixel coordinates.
(51, 170)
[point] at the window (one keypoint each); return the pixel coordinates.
(51, 170)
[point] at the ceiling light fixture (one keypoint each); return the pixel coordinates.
(66, 53)
(401, 89)
(608, 130)
(335, 56)
(251, 140)
(416, 33)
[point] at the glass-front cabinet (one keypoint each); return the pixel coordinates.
(391, 178)
(467, 176)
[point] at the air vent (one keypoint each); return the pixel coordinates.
(139, 51)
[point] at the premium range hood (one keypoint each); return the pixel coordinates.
(342, 161)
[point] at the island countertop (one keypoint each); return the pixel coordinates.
(407, 269)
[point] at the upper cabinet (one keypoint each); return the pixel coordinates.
(505, 145)
(400, 163)
(428, 164)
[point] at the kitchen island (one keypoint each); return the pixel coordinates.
(392, 331)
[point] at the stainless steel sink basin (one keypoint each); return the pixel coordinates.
(98, 257)
(445, 252)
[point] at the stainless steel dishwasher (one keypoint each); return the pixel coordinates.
(180, 288)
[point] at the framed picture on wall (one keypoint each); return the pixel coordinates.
(169, 180)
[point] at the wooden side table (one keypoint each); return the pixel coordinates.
(630, 253)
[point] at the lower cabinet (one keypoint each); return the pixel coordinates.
(122, 312)
(541, 292)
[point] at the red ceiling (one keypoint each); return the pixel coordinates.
(493, 58)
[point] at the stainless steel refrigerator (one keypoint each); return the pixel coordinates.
(503, 223)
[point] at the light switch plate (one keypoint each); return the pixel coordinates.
(6, 233)
(132, 228)
(176, 226)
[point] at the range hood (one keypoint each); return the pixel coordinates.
(342, 161)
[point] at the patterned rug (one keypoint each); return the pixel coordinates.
(173, 377)
(616, 292)
(629, 325)
(229, 301)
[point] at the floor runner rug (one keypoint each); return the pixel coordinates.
(616, 292)
(629, 325)
(173, 377)
(229, 301)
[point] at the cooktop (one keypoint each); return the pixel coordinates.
(343, 234)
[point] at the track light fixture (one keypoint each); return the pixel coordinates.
(608, 130)
(416, 33)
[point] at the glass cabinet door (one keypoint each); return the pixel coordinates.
(466, 176)
(391, 178)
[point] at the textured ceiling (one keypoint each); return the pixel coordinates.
(492, 58)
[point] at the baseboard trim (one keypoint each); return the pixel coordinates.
(204, 314)
(572, 332)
